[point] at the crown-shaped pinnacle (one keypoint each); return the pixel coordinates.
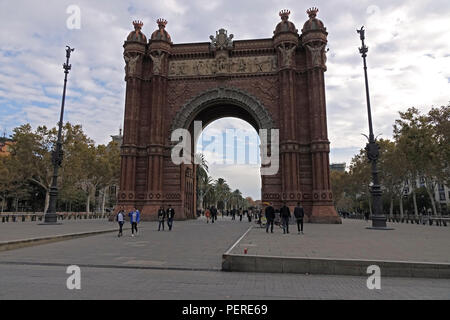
(312, 12)
(285, 13)
(161, 22)
(138, 24)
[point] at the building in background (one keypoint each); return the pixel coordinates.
(118, 138)
(338, 167)
(441, 193)
(5, 147)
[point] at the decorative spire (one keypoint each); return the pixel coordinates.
(312, 12)
(284, 14)
(161, 23)
(138, 25)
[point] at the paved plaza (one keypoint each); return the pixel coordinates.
(11, 231)
(184, 263)
(351, 240)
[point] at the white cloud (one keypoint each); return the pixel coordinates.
(408, 60)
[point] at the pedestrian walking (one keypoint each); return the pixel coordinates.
(170, 214)
(161, 218)
(259, 216)
(299, 213)
(213, 214)
(207, 215)
(120, 220)
(240, 214)
(233, 214)
(270, 216)
(246, 213)
(134, 220)
(285, 214)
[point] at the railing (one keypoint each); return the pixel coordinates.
(29, 217)
(422, 219)
(430, 220)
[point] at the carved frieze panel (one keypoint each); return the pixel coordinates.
(221, 65)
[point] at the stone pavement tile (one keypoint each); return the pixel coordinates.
(191, 244)
(25, 230)
(351, 240)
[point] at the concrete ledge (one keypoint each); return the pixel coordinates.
(350, 267)
(16, 244)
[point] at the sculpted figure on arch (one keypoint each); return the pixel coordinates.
(157, 61)
(130, 66)
(287, 55)
(317, 55)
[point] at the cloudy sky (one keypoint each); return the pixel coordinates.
(409, 61)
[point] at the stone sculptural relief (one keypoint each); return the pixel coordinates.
(318, 55)
(223, 65)
(130, 64)
(157, 61)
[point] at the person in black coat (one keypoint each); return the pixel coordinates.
(213, 214)
(285, 214)
(299, 213)
(245, 213)
(170, 214)
(270, 216)
(161, 217)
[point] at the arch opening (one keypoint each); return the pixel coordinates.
(231, 148)
(223, 103)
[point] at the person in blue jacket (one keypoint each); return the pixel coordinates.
(134, 220)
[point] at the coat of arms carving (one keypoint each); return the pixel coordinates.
(222, 40)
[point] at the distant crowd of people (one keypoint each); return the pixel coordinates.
(266, 217)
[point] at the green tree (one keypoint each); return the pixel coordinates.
(204, 181)
(31, 157)
(393, 173)
(439, 118)
(10, 181)
(358, 188)
(237, 199)
(222, 191)
(414, 134)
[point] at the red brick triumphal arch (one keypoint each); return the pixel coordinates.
(273, 83)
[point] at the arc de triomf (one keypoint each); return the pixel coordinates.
(273, 83)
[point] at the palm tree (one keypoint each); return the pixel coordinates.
(202, 164)
(222, 192)
(237, 198)
(204, 181)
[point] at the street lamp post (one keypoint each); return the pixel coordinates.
(57, 154)
(372, 149)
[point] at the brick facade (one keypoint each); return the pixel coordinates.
(274, 83)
